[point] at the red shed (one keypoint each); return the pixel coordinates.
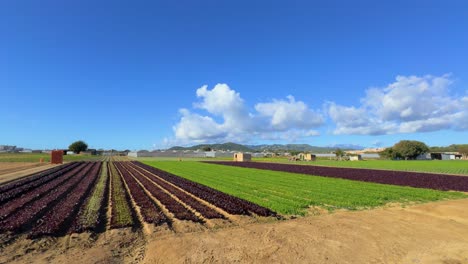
(56, 157)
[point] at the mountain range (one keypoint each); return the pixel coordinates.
(272, 147)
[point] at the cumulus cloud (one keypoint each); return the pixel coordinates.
(227, 118)
(226, 103)
(287, 114)
(195, 127)
(408, 105)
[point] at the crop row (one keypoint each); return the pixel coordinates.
(75, 198)
(176, 208)
(18, 183)
(14, 189)
(402, 178)
(29, 196)
(22, 219)
(91, 213)
(150, 212)
(203, 209)
(228, 203)
(56, 218)
(122, 212)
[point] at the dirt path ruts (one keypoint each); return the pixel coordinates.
(175, 224)
(219, 210)
(15, 175)
(428, 233)
(137, 253)
(8, 167)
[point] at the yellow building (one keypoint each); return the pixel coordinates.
(239, 156)
(306, 156)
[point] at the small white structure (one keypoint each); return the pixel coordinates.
(239, 156)
(132, 154)
(210, 154)
(306, 156)
(424, 156)
(356, 157)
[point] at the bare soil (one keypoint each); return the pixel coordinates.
(427, 233)
(10, 171)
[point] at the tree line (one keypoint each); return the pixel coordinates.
(410, 149)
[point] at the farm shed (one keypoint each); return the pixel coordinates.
(6, 148)
(370, 155)
(56, 157)
(89, 152)
(306, 156)
(448, 156)
(258, 155)
(210, 154)
(239, 156)
(445, 155)
(355, 157)
(141, 153)
(424, 156)
(217, 154)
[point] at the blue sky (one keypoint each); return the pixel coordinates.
(146, 74)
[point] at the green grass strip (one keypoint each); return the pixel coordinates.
(121, 210)
(90, 215)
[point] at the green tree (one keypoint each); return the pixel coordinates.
(294, 152)
(78, 146)
(464, 151)
(339, 153)
(389, 153)
(410, 149)
(206, 148)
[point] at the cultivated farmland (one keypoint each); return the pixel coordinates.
(126, 209)
(456, 167)
(71, 198)
(413, 179)
(35, 157)
(291, 193)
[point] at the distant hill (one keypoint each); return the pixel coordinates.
(347, 147)
(303, 147)
(266, 147)
(223, 146)
(451, 148)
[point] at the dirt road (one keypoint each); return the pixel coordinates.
(428, 233)
(15, 170)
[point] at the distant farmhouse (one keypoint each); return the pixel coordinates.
(440, 156)
(239, 156)
(306, 156)
(355, 157)
(6, 148)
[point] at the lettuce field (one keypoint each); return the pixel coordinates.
(95, 196)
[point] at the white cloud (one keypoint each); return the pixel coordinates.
(226, 103)
(279, 119)
(410, 104)
(194, 127)
(287, 114)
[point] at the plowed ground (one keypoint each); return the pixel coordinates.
(429, 233)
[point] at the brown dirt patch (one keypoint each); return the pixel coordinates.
(7, 167)
(10, 171)
(426, 233)
(430, 233)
